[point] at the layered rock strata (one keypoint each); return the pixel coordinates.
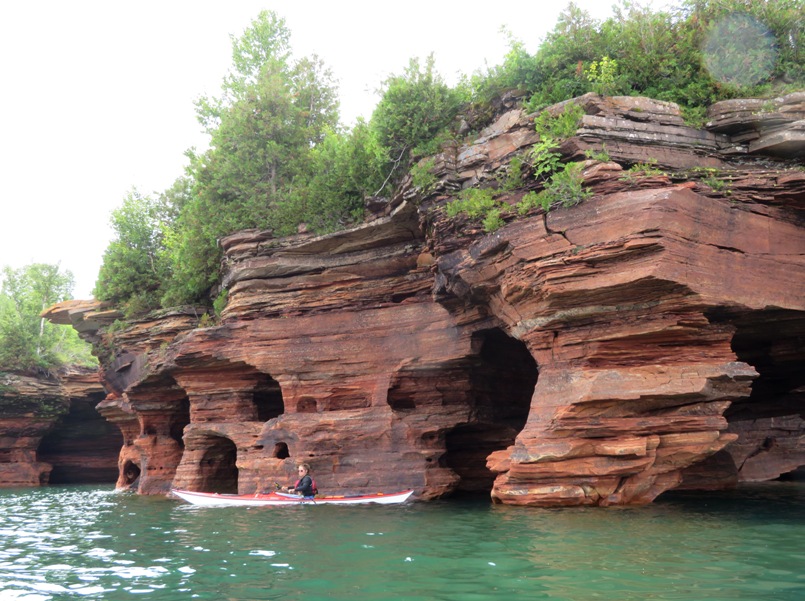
(646, 339)
(636, 368)
(51, 432)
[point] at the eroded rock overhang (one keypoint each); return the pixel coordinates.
(646, 339)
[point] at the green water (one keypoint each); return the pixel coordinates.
(90, 543)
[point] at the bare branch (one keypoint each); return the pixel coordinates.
(393, 169)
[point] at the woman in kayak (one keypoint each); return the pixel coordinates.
(304, 486)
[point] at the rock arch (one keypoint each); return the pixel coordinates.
(769, 422)
(162, 409)
(209, 462)
(472, 407)
(281, 451)
(130, 474)
(226, 391)
(502, 378)
(217, 469)
(229, 404)
(267, 398)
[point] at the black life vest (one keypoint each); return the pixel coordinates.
(312, 485)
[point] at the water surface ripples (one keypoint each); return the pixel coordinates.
(90, 543)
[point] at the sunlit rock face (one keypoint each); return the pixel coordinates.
(646, 339)
(51, 432)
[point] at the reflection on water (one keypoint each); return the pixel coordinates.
(88, 543)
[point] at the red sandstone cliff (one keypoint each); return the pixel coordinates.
(50, 431)
(646, 339)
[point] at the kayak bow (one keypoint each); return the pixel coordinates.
(278, 499)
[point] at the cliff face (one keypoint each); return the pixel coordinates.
(641, 299)
(646, 339)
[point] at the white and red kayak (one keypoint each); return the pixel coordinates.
(278, 498)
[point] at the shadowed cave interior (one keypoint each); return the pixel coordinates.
(217, 471)
(494, 389)
(502, 378)
(496, 384)
(768, 422)
(82, 447)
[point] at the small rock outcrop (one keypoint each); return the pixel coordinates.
(648, 338)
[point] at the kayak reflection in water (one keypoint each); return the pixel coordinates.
(305, 486)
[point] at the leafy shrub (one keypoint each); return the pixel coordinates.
(662, 54)
(565, 187)
(219, 304)
(602, 74)
(532, 200)
(638, 170)
(559, 62)
(492, 220)
(559, 126)
(717, 185)
(477, 203)
(694, 116)
(140, 303)
(712, 178)
(414, 108)
(545, 160)
(422, 175)
(513, 177)
(472, 202)
(345, 168)
(598, 155)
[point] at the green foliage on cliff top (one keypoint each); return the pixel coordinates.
(694, 53)
(29, 343)
(415, 107)
(278, 158)
(272, 112)
(134, 263)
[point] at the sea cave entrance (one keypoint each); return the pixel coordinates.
(179, 419)
(769, 423)
(83, 447)
(217, 469)
(268, 401)
(502, 377)
(131, 472)
(224, 391)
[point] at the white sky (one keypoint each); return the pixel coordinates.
(97, 96)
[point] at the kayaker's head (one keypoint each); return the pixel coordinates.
(303, 469)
